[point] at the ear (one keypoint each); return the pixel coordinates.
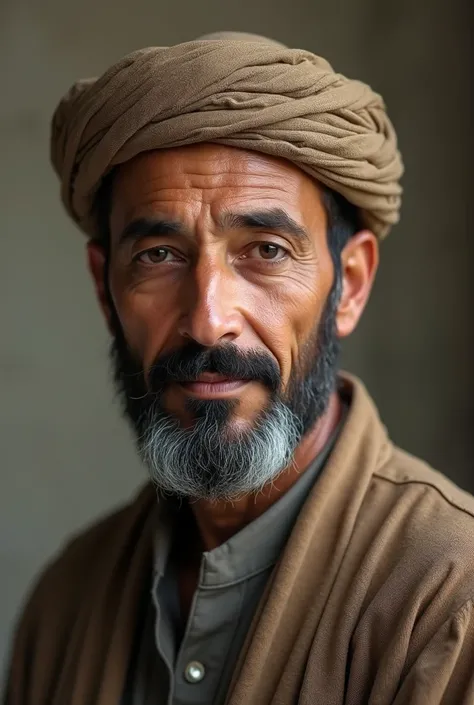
(359, 261)
(97, 261)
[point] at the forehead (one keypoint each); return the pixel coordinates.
(186, 181)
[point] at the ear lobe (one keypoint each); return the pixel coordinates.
(97, 262)
(359, 262)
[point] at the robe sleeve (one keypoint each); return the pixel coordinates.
(17, 688)
(40, 635)
(443, 673)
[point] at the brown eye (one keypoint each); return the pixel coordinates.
(156, 255)
(269, 251)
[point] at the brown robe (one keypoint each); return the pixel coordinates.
(370, 604)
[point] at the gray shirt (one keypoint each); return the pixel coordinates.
(198, 670)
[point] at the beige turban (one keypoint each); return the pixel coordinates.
(238, 90)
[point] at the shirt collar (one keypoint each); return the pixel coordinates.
(257, 546)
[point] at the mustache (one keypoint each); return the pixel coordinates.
(188, 363)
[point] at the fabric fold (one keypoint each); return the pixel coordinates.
(249, 94)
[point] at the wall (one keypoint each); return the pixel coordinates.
(65, 454)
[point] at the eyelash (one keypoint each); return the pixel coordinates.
(270, 262)
(267, 262)
(136, 258)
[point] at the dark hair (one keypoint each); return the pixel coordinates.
(344, 219)
(103, 207)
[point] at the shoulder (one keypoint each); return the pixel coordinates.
(83, 560)
(437, 509)
(423, 526)
(410, 474)
(88, 571)
(414, 539)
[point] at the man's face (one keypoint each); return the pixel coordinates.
(219, 279)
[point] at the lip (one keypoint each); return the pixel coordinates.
(218, 388)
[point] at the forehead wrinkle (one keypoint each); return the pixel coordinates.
(266, 188)
(151, 181)
(174, 194)
(179, 207)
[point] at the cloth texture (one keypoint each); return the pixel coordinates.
(232, 581)
(371, 602)
(244, 92)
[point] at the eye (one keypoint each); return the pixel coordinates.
(267, 251)
(155, 255)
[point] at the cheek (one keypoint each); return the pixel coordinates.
(147, 321)
(287, 317)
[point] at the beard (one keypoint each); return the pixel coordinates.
(210, 459)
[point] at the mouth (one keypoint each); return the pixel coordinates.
(213, 386)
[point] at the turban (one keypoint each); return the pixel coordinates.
(233, 89)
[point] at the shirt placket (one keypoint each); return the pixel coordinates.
(210, 629)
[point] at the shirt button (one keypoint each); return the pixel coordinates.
(194, 672)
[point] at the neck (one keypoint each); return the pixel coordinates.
(219, 521)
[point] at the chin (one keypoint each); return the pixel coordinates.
(236, 428)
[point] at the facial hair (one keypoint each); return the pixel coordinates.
(209, 459)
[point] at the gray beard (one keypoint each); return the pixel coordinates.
(208, 461)
(211, 460)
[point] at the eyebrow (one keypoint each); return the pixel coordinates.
(275, 219)
(148, 227)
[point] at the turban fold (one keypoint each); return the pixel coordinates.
(236, 90)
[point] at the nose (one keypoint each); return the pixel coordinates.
(211, 315)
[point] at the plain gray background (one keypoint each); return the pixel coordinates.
(66, 456)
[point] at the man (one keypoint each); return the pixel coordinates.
(235, 192)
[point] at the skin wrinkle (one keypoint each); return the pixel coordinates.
(211, 300)
(274, 220)
(277, 293)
